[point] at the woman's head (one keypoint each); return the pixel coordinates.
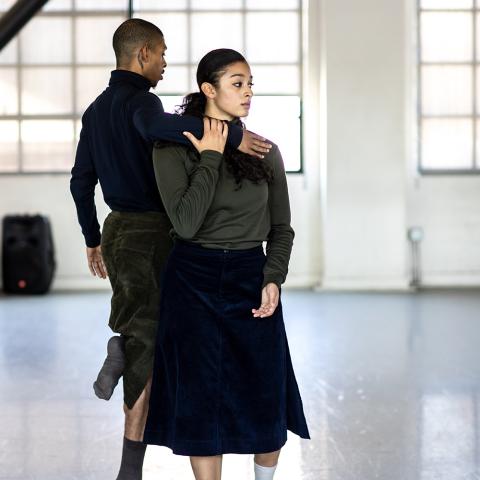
(225, 83)
(224, 77)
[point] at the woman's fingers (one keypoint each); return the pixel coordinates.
(270, 297)
(264, 312)
(206, 125)
(214, 137)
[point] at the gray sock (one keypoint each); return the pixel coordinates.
(112, 368)
(132, 460)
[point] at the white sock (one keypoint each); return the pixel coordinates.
(264, 473)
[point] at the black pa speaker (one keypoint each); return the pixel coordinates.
(28, 258)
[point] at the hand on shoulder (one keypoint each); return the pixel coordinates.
(214, 138)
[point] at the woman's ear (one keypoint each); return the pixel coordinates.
(208, 89)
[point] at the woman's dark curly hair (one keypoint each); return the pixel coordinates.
(239, 164)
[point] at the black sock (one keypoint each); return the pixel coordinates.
(112, 368)
(132, 460)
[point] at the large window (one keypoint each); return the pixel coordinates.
(449, 81)
(62, 60)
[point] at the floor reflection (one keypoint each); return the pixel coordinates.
(390, 384)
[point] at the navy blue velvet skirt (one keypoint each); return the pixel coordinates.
(223, 381)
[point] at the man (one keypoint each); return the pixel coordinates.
(115, 147)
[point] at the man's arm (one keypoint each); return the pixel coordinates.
(153, 123)
(82, 186)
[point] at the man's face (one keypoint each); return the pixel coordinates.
(155, 65)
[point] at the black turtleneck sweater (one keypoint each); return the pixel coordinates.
(115, 148)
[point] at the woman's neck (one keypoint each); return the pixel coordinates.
(212, 111)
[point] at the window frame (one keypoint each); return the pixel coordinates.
(474, 116)
(126, 13)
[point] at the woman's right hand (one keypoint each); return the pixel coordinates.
(215, 134)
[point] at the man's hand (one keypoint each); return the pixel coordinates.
(95, 262)
(270, 296)
(215, 134)
(253, 144)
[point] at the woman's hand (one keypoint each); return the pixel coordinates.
(270, 296)
(215, 134)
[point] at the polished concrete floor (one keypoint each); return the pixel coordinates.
(390, 384)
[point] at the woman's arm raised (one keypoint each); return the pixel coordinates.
(187, 199)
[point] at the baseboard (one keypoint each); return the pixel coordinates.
(93, 283)
(82, 283)
(450, 280)
(300, 281)
(365, 284)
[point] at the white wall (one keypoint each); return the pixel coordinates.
(50, 195)
(373, 190)
(359, 192)
(365, 195)
(445, 206)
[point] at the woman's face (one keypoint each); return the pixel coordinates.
(233, 93)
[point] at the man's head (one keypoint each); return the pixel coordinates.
(140, 47)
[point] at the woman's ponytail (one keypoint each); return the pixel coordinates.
(193, 104)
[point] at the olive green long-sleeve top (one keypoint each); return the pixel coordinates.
(206, 207)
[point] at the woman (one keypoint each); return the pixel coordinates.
(223, 379)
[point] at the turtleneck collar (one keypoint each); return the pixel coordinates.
(118, 76)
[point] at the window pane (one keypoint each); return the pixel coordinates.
(103, 5)
(8, 55)
(94, 39)
(478, 144)
(78, 128)
(8, 146)
(40, 47)
(262, 37)
(216, 4)
(175, 80)
(46, 91)
(174, 27)
(91, 81)
(478, 36)
(6, 4)
(446, 144)
(272, 4)
(444, 4)
(439, 46)
(156, 5)
(8, 91)
(478, 96)
(276, 79)
(170, 103)
(215, 30)
(446, 90)
(57, 5)
(278, 119)
(47, 145)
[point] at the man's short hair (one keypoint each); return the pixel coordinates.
(130, 35)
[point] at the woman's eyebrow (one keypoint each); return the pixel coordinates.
(239, 75)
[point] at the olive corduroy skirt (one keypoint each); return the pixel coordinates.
(135, 246)
(223, 381)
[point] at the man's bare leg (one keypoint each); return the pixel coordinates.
(136, 417)
(207, 468)
(133, 447)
